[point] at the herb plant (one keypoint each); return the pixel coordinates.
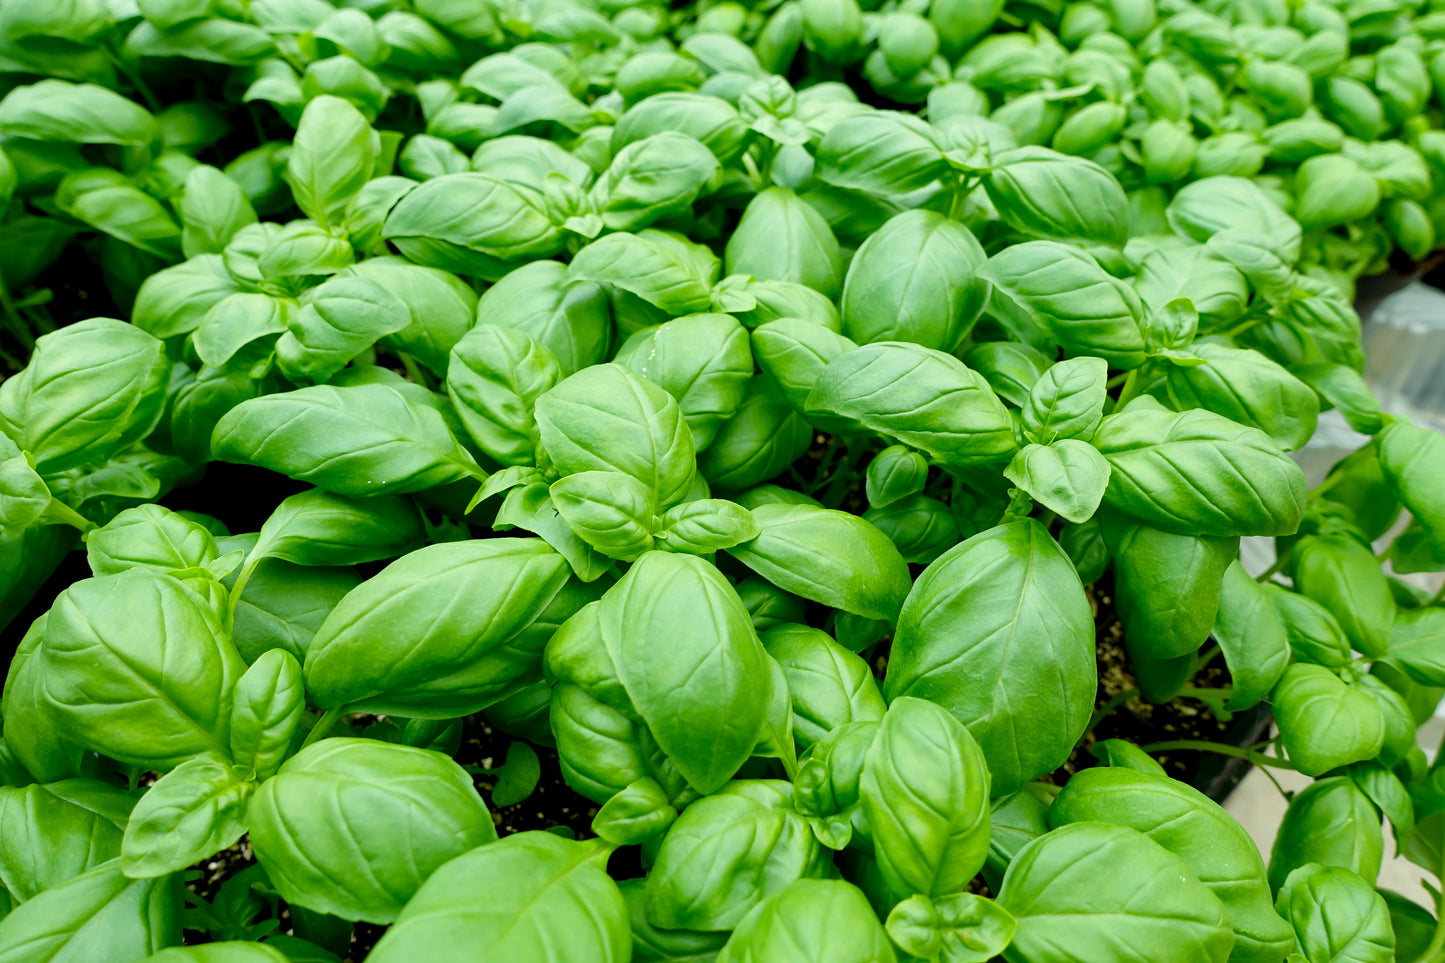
(756, 409)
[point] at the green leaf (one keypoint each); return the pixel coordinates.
(703, 361)
(705, 526)
(548, 899)
(827, 556)
(1064, 291)
(1005, 605)
(517, 777)
(662, 268)
(793, 353)
(829, 686)
(1193, 827)
(362, 440)
(882, 152)
(1412, 460)
(818, 919)
(52, 833)
(608, 510)
(651, 179)
(1197, 473)
(266, 713)
(101, 914)
(1417, 645)
(924, 792)
(471, 223)
(137, 666)
(1342, 575)
(1324, 722)
(494, 379)
(1337, 916)
(191, 813)
(781, 238)
(213, 208)
(333, 155)
(58, 110)
(91, 389)
(1068, 477)
(1094, 889)
(1048, 194)
(149, 537)
(1067, 401)
(1206, 207)
(1246, 387)
(605, 418)
(1252, 637)
(925, 399)
(385, 648)
(354, 827)
(317, 527)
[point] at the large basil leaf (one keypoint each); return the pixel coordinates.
(793, 353)
(441, 307)
(1006, 606)
(726, 853)
(781, 238)
(1198, 473)
(532, 896)
(1193, 827)
(663, 269)
(683, 648)
(100, 915)
(653, 178)
(1336, 915)
(29, 734)
(1323, 721)
(57, 110)
(1091, 893)
(332, 156)
(319, 528)
(915, 279)
(759, 442)
(1413, 460)
(266, 713)
(91, 389)
(393, 646)
(138, 667)
(494, 379)
(924, 792)
(883, 152)
(282, 605)
(606, 418)
(828, 685)
(471, 223)
(1166, 586)
(1246, 387)
(54, 832)
(924, 398)
(353, 827)
(361, 440)
(814, 919)
(1330, 822)
(702, 360)
(148, 536)
(1206, 207)
(1214, 286)
(1063, 291)
(1417, 645)
(827, 556)
(338, 320)
(1047, 194)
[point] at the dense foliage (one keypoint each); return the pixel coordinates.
(756, 405)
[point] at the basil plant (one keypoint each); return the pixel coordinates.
(753, 419)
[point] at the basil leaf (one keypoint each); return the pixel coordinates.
(1324, 722)
(353, 827)
(192, 812)
(1252, 637)
(924, 792)
(266, 712)
(55, 832)
(1091, 886)
(1067, 477)
(1067, 401)
(781, 238)
(606, 418)
(494, 379)
(1342, 575)
(702, 360)
(823, 919)
(333, 155)
(1197, 473)
(915, 279)
(1193, 827)
(149, 537)
(363, 440)
(100, 914)
(373, 654)
(1027, 626)
(1336, 915)
(546, 898)
(1048, 194)
(1332, 823)
(611, 511)
(829, 557)
(1246, 387)
(661, 268)
(923, 398)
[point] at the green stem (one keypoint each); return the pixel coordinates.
(1273, 570)
(1133, 386)
(322, 727)
(1327, 484)
(1114, 702)
(1438, 597)
(242, 577)
(13, 320)
(60, 512)
(1203, 746)
(825, 466)
(1214, 698)
(1435, 952)
(134, 77)
(1117, 380)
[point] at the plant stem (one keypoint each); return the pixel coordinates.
(1114, 702)
(1269, 573)
(13, 320)
(1438, 597)
(63, 513)
(1203, 746)
(1435, 952)
(242, 577)
(1133, 386)
(1117, 380)
(322, 727)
